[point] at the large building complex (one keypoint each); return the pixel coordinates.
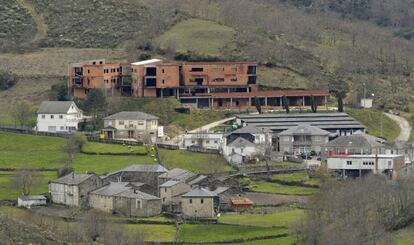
(199, 84)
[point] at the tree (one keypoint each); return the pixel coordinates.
(7, 80)
(258, 105)
(285, 101)
(24, 180)
(339, 88)
(23, 114)
(59, 92)
(314, 106)
(73, 145)
(95, 103)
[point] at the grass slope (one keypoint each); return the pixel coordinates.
(371, 118)
(153, 233)
(217, 232)
(198, 36)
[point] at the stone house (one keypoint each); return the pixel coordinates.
(123, 198)
(171, 191)
(181, 175)
(302, 139)
(131, 125)
(73, 189)
(199, 203)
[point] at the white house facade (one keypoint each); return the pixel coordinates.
(204, 140)
(58, 116)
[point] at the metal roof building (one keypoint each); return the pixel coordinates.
(337, 122)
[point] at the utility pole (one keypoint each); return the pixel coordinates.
(365, 93)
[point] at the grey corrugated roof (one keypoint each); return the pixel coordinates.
(112, 188)
(54, 107)
(356, 140)
(220, 190)
(72, 179)
(240, 142)
(197, 180)
(131, 115)
(145, 168)
(251, 129)
(199, 192)
(178, 174)
(170, 183)
(304, 130)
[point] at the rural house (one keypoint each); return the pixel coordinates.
(123, 198)
(203, 140)
(358, 143)
(240, 151)
(73, 189)
(181, 175)
(131, 125)
(58, 116)
(302, 139)
(199, 203)
(170, 194)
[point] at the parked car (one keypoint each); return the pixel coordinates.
(305, 156)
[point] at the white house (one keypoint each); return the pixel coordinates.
(204, 140)
(28, 201)
(240, 150)
(58, 116)
(356, 165)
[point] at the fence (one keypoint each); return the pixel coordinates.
(89, 136)
(202, 150)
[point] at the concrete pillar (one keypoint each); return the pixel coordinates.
(303, 101)
(250, 101)
(326, 102)
(360, 172)
(265, 101)
(228, 90)
(197, 102)
(231, 102)
(280, 101)
(343, 173)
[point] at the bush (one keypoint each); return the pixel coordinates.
(7, 80)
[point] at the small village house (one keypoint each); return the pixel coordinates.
(131, 125)
(204, 140)
(122, 198)
(73, 189)
(302, 139)
(241, 150)
(58, 116)
(29, 201)
(199, 203)
(181, 175)
(240, 203)
(170, 194)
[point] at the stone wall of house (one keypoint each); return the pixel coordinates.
(64, 194)
(168, 194)
(100, 202)
(195, 207)
(137, 207)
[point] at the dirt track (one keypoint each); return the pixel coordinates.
(404, 125)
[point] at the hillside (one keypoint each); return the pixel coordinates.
(295, 47)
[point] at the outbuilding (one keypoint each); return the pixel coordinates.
(28, 201)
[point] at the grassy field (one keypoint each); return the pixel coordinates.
(218, 232)
(158, 233)
(112, 148)
(8, 193)
(191, 35)
(277, 219)
(276, 188)
(297, 177)
(281, 78)
(371, 118)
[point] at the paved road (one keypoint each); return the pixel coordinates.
(404, 125)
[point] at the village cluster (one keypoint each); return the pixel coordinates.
(332, 139)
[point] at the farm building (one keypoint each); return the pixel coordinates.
(73, 189)
(199, 203)
(28, 201)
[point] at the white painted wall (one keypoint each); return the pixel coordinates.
(384, 163)
(208, 140)
(60, 122)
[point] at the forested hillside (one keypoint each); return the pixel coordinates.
(299, 43)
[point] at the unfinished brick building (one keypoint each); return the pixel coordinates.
(199, 84)
(114, 77)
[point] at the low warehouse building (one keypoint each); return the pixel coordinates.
(28, 201)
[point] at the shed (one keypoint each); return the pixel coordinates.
(241, 203)
(28, 201)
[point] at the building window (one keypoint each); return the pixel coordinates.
(89, 71)
(191, 201)
(165, 189)
(52, 116)
(162, 70)
(43, 116)
(348, 162)
(215, 142)
(196, 69)
(163, 199)
(121, 122)
(202, 200)
(208, 142)
(60, 116)
(62, 128)
(192, 142)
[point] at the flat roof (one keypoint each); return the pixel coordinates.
(262, 93)
(146, 62)
(365, 156)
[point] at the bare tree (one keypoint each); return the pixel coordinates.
(25, 180)
(73, 145)
(23, 113)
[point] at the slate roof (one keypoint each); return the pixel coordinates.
(220, 190)
(122, 189)
(356, 140)
(170, 183)
(131, 115)
(304, 129)
(131, 193)
(197, 180)
(54, 107)
(144, 168)
(178, 174)
(251, 129)
(241, 142)
(72, 179)
(199, 192)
